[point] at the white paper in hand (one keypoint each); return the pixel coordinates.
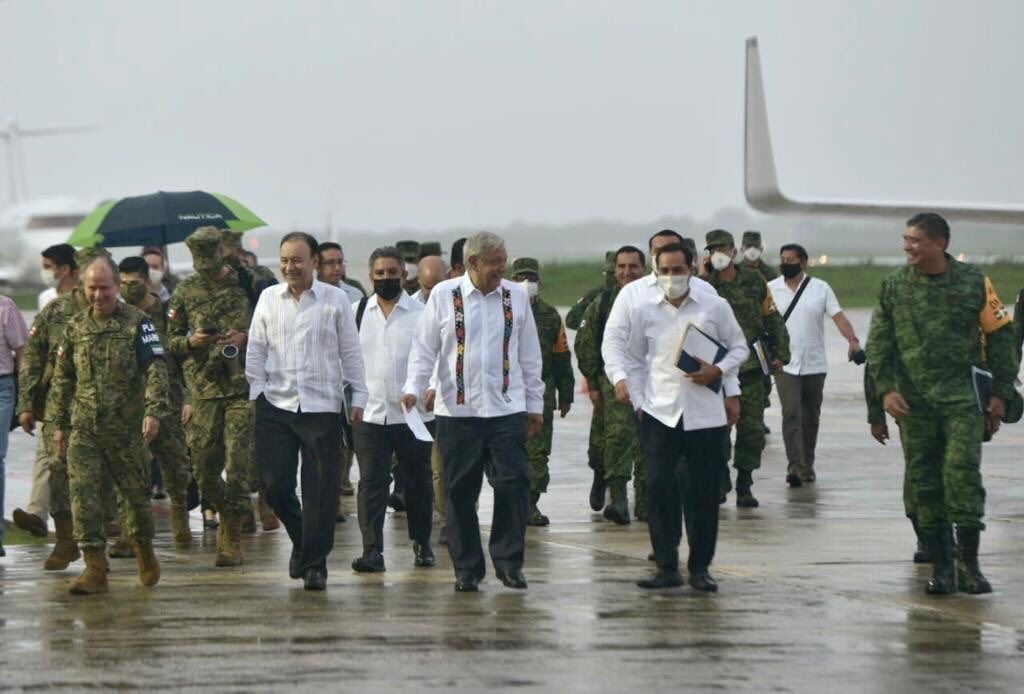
(415, 423)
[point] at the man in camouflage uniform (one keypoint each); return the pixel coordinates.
(35, 377)
(169, 447)
(752, 251)
(595, 445)
(556, 371)
(751, 301)
(618, 444)
(110, 393)
(410, 251)
(208, 320)
(937, 318)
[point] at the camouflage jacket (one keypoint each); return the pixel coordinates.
(109, 374)
(754, 308)
(175, 378)
(927, 332)
(767, 271)
(556, 370)
(876, 413)
(40, 356)
(196, 304)
(590, 336)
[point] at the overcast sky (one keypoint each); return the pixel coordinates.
(443, 113)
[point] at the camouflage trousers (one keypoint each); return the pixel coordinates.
(622, 453)
(595, 443)
(171, 454)
(750, 427)
(942, 451)
(94, 461)
(538, 451)
(60, 491)
(220, 437)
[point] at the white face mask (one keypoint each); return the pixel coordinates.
(530, 287)
(752, 253)
(48, 277)
(720, 260)
(410, 272)
(156, 277)
(674, 286)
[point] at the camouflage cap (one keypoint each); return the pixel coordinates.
(751, 238)
(525, 266)
(609, 261)
(204, 243)
(718, 237)
(410, 250)
(429, 248)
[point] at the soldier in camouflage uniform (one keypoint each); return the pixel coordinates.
(34, 380)
(752, 304)
(937, 318)
(556, 371)
(752, 250)
(169, 448)
(619, 444)
(209, 314)
(110, 393)
(595, 445)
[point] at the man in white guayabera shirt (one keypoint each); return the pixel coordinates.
(480, 332)
(683, 420)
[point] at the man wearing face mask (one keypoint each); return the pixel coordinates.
(752, 251)
(558, 381)
(168, 449)
(386, 322)
(160, 274)
(208, 321)
(752, 304)
(58, 273)
(804, 302)
(410, 251)
(683, 421)
(620, 455)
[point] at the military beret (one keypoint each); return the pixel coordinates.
(691, 244)
(751, 238)
(204, 240)
(718, 237)
(429, 248)
(410, 250)
(525, 266)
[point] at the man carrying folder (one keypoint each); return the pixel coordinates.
(680, 415)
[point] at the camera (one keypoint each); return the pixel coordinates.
(859, 357)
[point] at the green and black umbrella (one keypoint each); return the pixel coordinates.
(160, 219)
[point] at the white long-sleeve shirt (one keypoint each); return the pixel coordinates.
(468, 347)
(386, 344)
(301, 351)
(656, 384)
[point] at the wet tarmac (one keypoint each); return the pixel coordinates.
(817, 592)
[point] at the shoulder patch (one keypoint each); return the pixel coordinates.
(993, 315)
(171, 313)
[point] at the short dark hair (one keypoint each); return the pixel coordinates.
(631, 249)
(60, 255)
(664, 232)
(800, 251)
(301, 236)
(674, 248)
(456, 256)
(387, 252)
(135, 264)
(933, 225)
(252, 256)
(329, 246)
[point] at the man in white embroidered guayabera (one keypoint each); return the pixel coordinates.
(480, 332)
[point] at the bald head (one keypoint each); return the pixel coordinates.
(431, 270)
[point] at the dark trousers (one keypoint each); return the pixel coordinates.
(683, 478)
(471, 446)
(279, 436)
(374, 445)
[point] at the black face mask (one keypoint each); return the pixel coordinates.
(388, 288)
(789, 270)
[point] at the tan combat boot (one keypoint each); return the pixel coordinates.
(65, 550)
(229, 541)
(149, 567)
(94, 579)
(267, 517)
(122, 549)
(179, 522)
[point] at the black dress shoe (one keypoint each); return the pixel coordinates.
(315, 578)
(397, 502)
(467, 584)
(662, 579)
(424, 553)
(294, 570)
(372, 561)
(793, 480)
(651, 557)
(702, 581)
(513, 578)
